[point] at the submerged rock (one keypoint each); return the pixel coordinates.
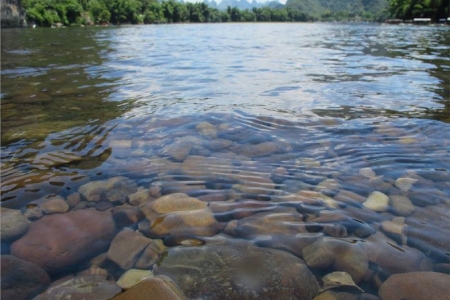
(132, 277)
(236, 269)
(340, 255)
(338, 280)
(57, 242)
(401, 205)
(404, 183)
(159, 287)
(177, 212)
(21, 279)
(13, 224)
(428, 230)
(81, 287)
(126, 248)
(377, 201)
(54, 205)
(416, 286)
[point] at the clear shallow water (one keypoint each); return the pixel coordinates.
(257, 120)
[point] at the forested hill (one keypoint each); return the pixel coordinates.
(333, 8)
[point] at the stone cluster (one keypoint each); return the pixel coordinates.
(221, 217)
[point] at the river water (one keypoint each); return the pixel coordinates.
(291, 135)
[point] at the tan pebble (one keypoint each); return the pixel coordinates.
(367, 172)
(404, 183)
(377, 201)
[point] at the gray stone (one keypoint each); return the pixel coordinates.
(13, 224)
(236, 269)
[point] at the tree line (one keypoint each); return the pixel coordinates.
(76, 12)
(70, 12)
(409, 9)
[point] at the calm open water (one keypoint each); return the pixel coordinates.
(257, 120)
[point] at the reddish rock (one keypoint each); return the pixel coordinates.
(21, 279)
(56, 242)
(416, 286)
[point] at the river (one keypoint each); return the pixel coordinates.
(286, 138)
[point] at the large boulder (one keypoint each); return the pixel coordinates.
(236, 269)
(416, 286)
(57, 242)
(21, 279)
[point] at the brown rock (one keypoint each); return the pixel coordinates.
(158, 287)
(287, 222)
(126, 248)
(150, 254)
(165, 224)
(262, 149)
(207, 129)
(140, 196)
(56, 242)
(178, 151)
(238, 210)
(93, 191)
(54, 205)
(338, 254)
(335, 295)
(171, 203)
(73, 199)
(126, 215)
(292, 244)
(81, 287)
(119, 188)
(401, 205)
(21, 279)
(392, 258)
(416, 286)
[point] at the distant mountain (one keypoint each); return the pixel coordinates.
(320, 7)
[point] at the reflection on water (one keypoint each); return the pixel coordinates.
(246, 158)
